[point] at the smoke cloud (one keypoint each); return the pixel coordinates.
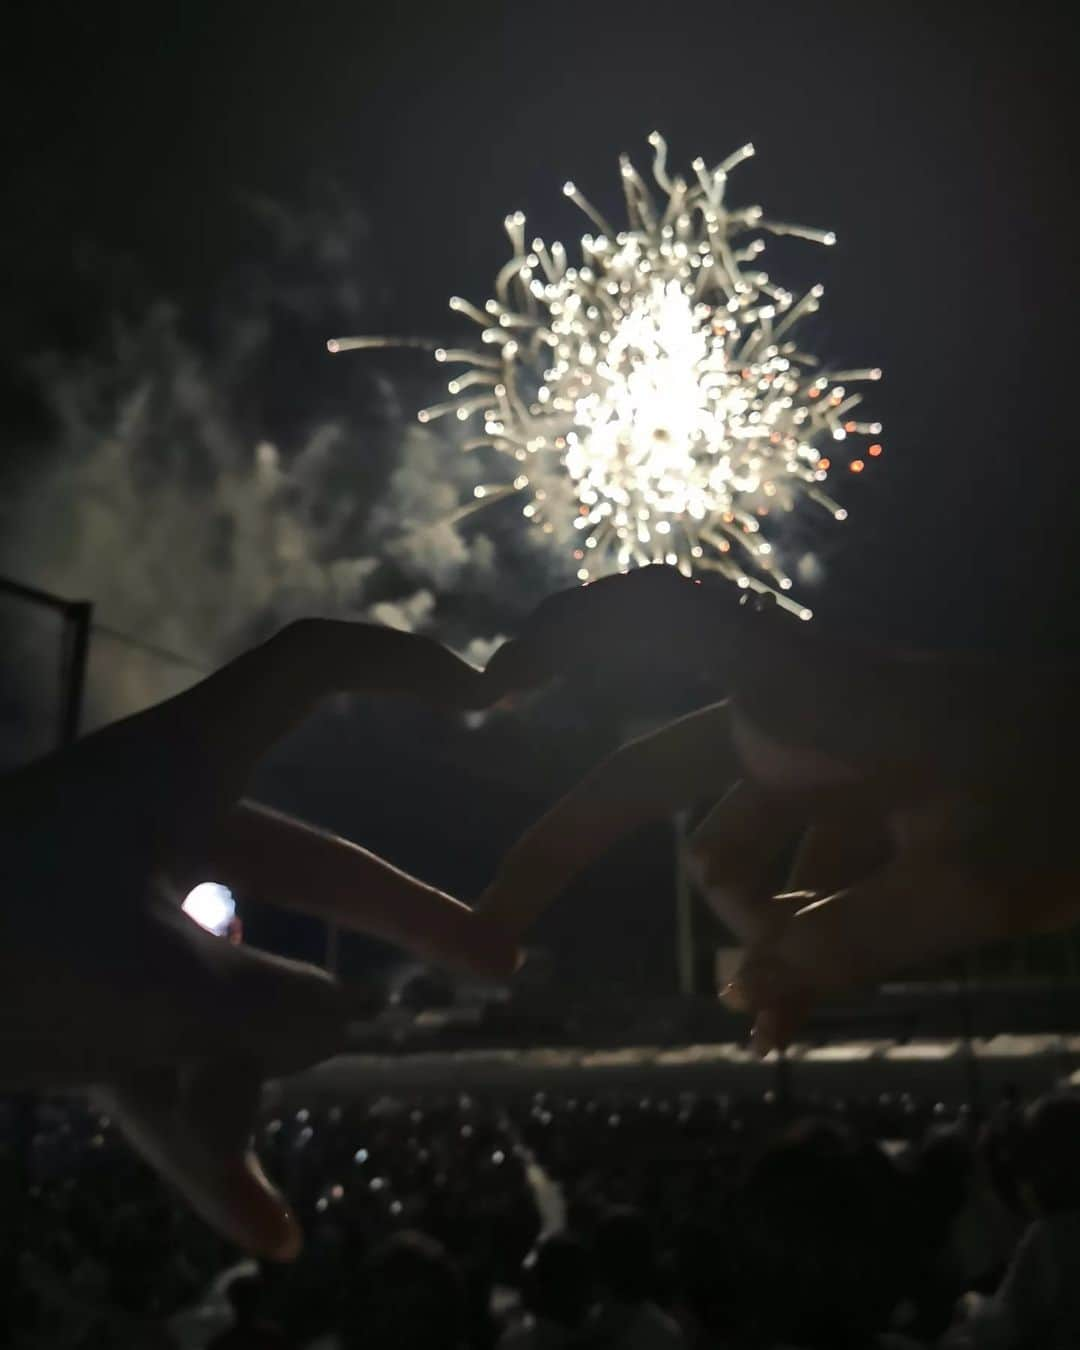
(184, 494)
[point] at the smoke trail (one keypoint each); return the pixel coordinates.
(185, 496)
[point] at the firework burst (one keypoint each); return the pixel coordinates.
(654, 399)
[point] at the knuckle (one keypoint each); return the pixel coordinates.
(300, 633)
(302, 1008)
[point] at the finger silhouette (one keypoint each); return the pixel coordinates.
(214, 1021)
(287, 863)
(909, 912)
(687, 759)
(651, 616)
(838, 849)
(193, 1127)
(735, 854)
(241, 710)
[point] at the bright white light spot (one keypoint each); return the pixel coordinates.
(211, 906)
(658, 386)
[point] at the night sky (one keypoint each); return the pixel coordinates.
(933, 138)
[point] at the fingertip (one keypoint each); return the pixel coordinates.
(291, 1244)
(281, 1238)
(511, 670)
(284, 1237)
(495, 952)
(760, 1040)
(773, 1030)
(257, 1214)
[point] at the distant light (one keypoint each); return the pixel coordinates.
(212, 907)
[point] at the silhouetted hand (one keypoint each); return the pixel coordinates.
(931, 800)
(104, 981)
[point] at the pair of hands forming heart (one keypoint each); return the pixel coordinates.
(929, 798)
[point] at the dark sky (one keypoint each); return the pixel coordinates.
(934, 138)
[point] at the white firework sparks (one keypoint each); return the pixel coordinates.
(661, 379)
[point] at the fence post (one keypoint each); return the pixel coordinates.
(73, 670)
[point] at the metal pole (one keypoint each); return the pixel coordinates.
(33, 594)
(75, 646)
(972, 1076)
(73, 673)
(684, 913)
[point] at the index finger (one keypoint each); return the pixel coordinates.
(791, 679)
(689, 758)
(649, 616)
(285, 862)
(252, 702)
(803, 683)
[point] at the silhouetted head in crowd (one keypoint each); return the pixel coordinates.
(134, 1264)
(624, 1257)
(710, 1253)
(411, 1298)
(1001, 1143)
(824, 1225)
(245, 1295)
(1050, 1153)
(559, 1281)
(944, 1165)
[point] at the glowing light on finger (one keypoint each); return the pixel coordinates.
(211, 906)
(661, 379)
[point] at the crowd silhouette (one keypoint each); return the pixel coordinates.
(539, 1221)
